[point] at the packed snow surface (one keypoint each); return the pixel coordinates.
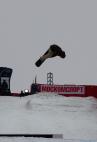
(73, 117)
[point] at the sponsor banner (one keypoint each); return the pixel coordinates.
(62, 89)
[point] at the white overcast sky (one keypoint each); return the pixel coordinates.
(29, 27)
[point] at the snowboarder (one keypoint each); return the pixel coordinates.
(53, 51)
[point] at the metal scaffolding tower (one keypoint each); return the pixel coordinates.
(50, 78)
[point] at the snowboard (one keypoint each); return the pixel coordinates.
(39, 62)
(42, 59)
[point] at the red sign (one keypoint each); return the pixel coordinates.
(62, 89)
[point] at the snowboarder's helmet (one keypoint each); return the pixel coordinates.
(62, 54)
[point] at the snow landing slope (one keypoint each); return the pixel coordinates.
(74, 117)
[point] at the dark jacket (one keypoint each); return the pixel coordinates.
(57, 51)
